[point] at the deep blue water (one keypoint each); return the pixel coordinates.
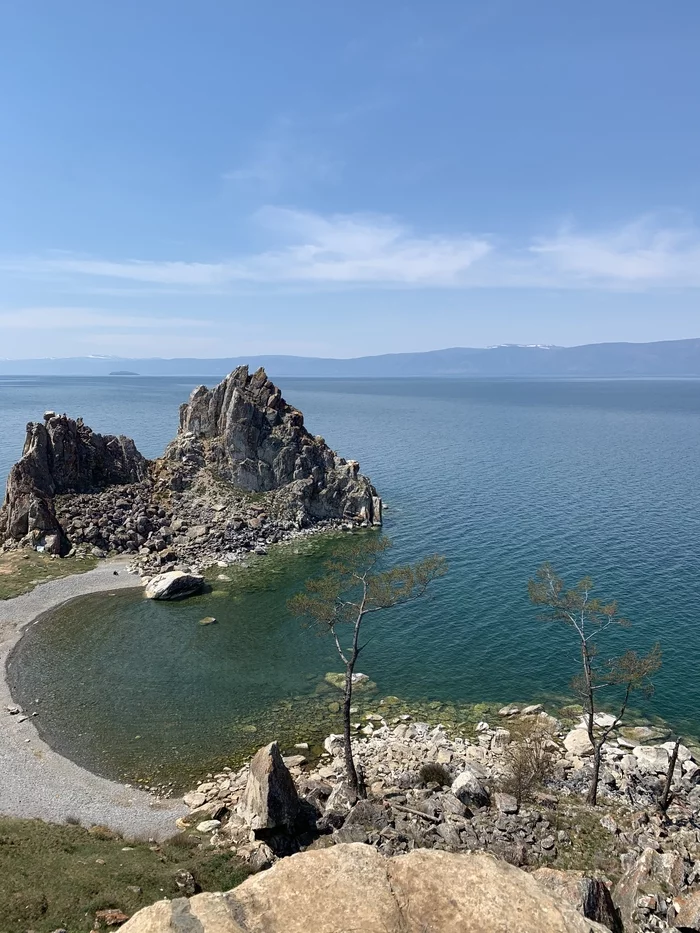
(599, 477)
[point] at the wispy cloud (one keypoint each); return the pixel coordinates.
(284, 157)
(48, 318)
(311, 250)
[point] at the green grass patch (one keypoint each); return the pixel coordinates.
(22, 570)
(58, 876)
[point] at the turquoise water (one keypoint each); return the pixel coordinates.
(599, 477)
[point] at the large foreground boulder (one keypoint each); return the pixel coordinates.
(173, 585)
(353, 887)
(270, 799)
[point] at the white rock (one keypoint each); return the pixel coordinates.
(683, 752)
(602, 720)
(531, 710)
(332, 743)
(651, 759)
(208, 826)
(173, 585)
(577, 743)
(194, 800)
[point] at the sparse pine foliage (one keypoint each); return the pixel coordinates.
(352, 588)
(589, 617)
(528, 759)
(434, 773)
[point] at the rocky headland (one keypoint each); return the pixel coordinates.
(242, 473)
(624, 864)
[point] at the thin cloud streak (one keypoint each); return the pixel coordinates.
(47, 318)
(367, 250)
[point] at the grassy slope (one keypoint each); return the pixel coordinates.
(22, 570)
(57, 876)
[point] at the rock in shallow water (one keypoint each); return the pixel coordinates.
(173, 585)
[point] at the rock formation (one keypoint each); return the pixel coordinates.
(270, 798)
(248, 436)
(242, 473)
(352, 887)
(62, 456)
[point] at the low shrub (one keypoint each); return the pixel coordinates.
(433, 773)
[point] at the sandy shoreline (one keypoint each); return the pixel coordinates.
(36, 781)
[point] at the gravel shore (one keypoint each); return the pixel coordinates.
(37, 782)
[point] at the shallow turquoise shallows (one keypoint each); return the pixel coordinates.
(599, 477)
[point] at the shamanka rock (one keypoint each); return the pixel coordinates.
(243, 473)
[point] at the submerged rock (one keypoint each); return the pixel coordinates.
(173, 585)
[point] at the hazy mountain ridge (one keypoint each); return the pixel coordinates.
(661, 358)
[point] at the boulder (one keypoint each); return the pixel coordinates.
(175, 584)
(468, 788)
(353, 887)
(653, 873)
(651, 759)
(270, 798)
(589, 896)
(685, 911)
(578, 744)
(505, 803)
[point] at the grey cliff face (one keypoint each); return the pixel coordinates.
(59, 457)
(250, 437)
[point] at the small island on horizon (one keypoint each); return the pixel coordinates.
(122, 372)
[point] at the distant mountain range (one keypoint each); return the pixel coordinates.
(662, 358)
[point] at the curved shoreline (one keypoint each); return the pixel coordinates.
(39, 783)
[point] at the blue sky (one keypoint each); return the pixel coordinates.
(218, 178)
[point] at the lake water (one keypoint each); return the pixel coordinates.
(599, 477)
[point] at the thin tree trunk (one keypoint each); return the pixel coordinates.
(353, 781)
(592, 797)
(664, 799)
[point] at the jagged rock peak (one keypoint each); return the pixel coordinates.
(61, 456)
(249, 436)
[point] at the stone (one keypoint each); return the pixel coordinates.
(185, 882)
(651, 759)
(686, 911)
(588, 896)
(208, 826)
(578, 744)
(270, 798)
(207, 620)
(531, 710)
(469, 790)
(175, 584)
(110, 917)
(194, 799)
(653, 873)
(509, 711)
(505, 803)
(338, 680)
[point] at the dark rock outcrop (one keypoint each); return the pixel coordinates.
(245, 432)
(62, 456)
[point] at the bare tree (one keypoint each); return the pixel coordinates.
(589, 617)
(352, 588)
(666, 797)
